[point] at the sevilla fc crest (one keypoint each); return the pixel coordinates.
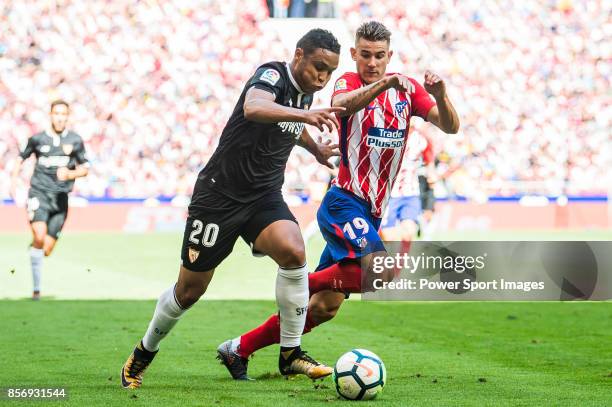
(67, 148)
(193, 254)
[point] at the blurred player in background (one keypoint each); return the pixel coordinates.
(238, 194)
(373, 131)
(403, 216)
(427, 180)
(60, 159)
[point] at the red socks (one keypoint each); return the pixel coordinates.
(266, 334)
(345, 277)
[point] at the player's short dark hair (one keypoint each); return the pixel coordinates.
(318, 38)
(373, 31)
(58, 102)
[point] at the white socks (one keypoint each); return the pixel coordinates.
(167, 313)
(36, 259)
(291, 298)
(292, 301)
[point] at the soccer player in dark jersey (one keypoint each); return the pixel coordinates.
(238, 194)
(373, 140)
(60, 159)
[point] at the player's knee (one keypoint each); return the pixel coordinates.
(293, 256)
(408, 235)
(38, 241)
(188, 298)
(48, 251)
(188, 295)
(409, 230)
(390, 234)
(322, 312)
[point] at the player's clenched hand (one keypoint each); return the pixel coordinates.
(62, 174)
(434, 85)
(323, 119)
(326, 150)
(401, 83)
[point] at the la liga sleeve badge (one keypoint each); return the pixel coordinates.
(270, 76)
(341, 84)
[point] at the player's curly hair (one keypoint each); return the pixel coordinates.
(318, 38)
(373, 31)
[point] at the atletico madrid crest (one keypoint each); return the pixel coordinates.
(193, 254)
(362, 242)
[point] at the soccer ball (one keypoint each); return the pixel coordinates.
(359, 375)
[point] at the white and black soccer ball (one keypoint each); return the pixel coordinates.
(359, 375)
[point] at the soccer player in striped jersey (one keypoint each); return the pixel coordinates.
(373, 133)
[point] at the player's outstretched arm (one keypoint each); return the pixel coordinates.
(358, 99)
(321, 150)
(259, 106)
(443, 115)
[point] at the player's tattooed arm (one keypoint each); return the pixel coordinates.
(443, 115)
(321, 150)
(259, 106)
(358, 99)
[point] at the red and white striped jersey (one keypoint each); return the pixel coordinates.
(373, 140)
(419, 153)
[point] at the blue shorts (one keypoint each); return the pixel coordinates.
(348, 227)
(401, 209)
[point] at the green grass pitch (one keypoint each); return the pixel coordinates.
(438, 354)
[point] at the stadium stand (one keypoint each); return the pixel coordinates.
(153, 82)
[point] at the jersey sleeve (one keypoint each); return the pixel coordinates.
(28, 149)
(346, 83)
(421, 101)
(79, 153)
(269, 79)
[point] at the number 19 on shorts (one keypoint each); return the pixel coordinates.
(360, 224)
(209, 237)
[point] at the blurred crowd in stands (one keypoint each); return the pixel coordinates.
(153, 82)
(301, 8)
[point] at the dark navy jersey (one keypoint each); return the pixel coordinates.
(251, 157)
(53, 151)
